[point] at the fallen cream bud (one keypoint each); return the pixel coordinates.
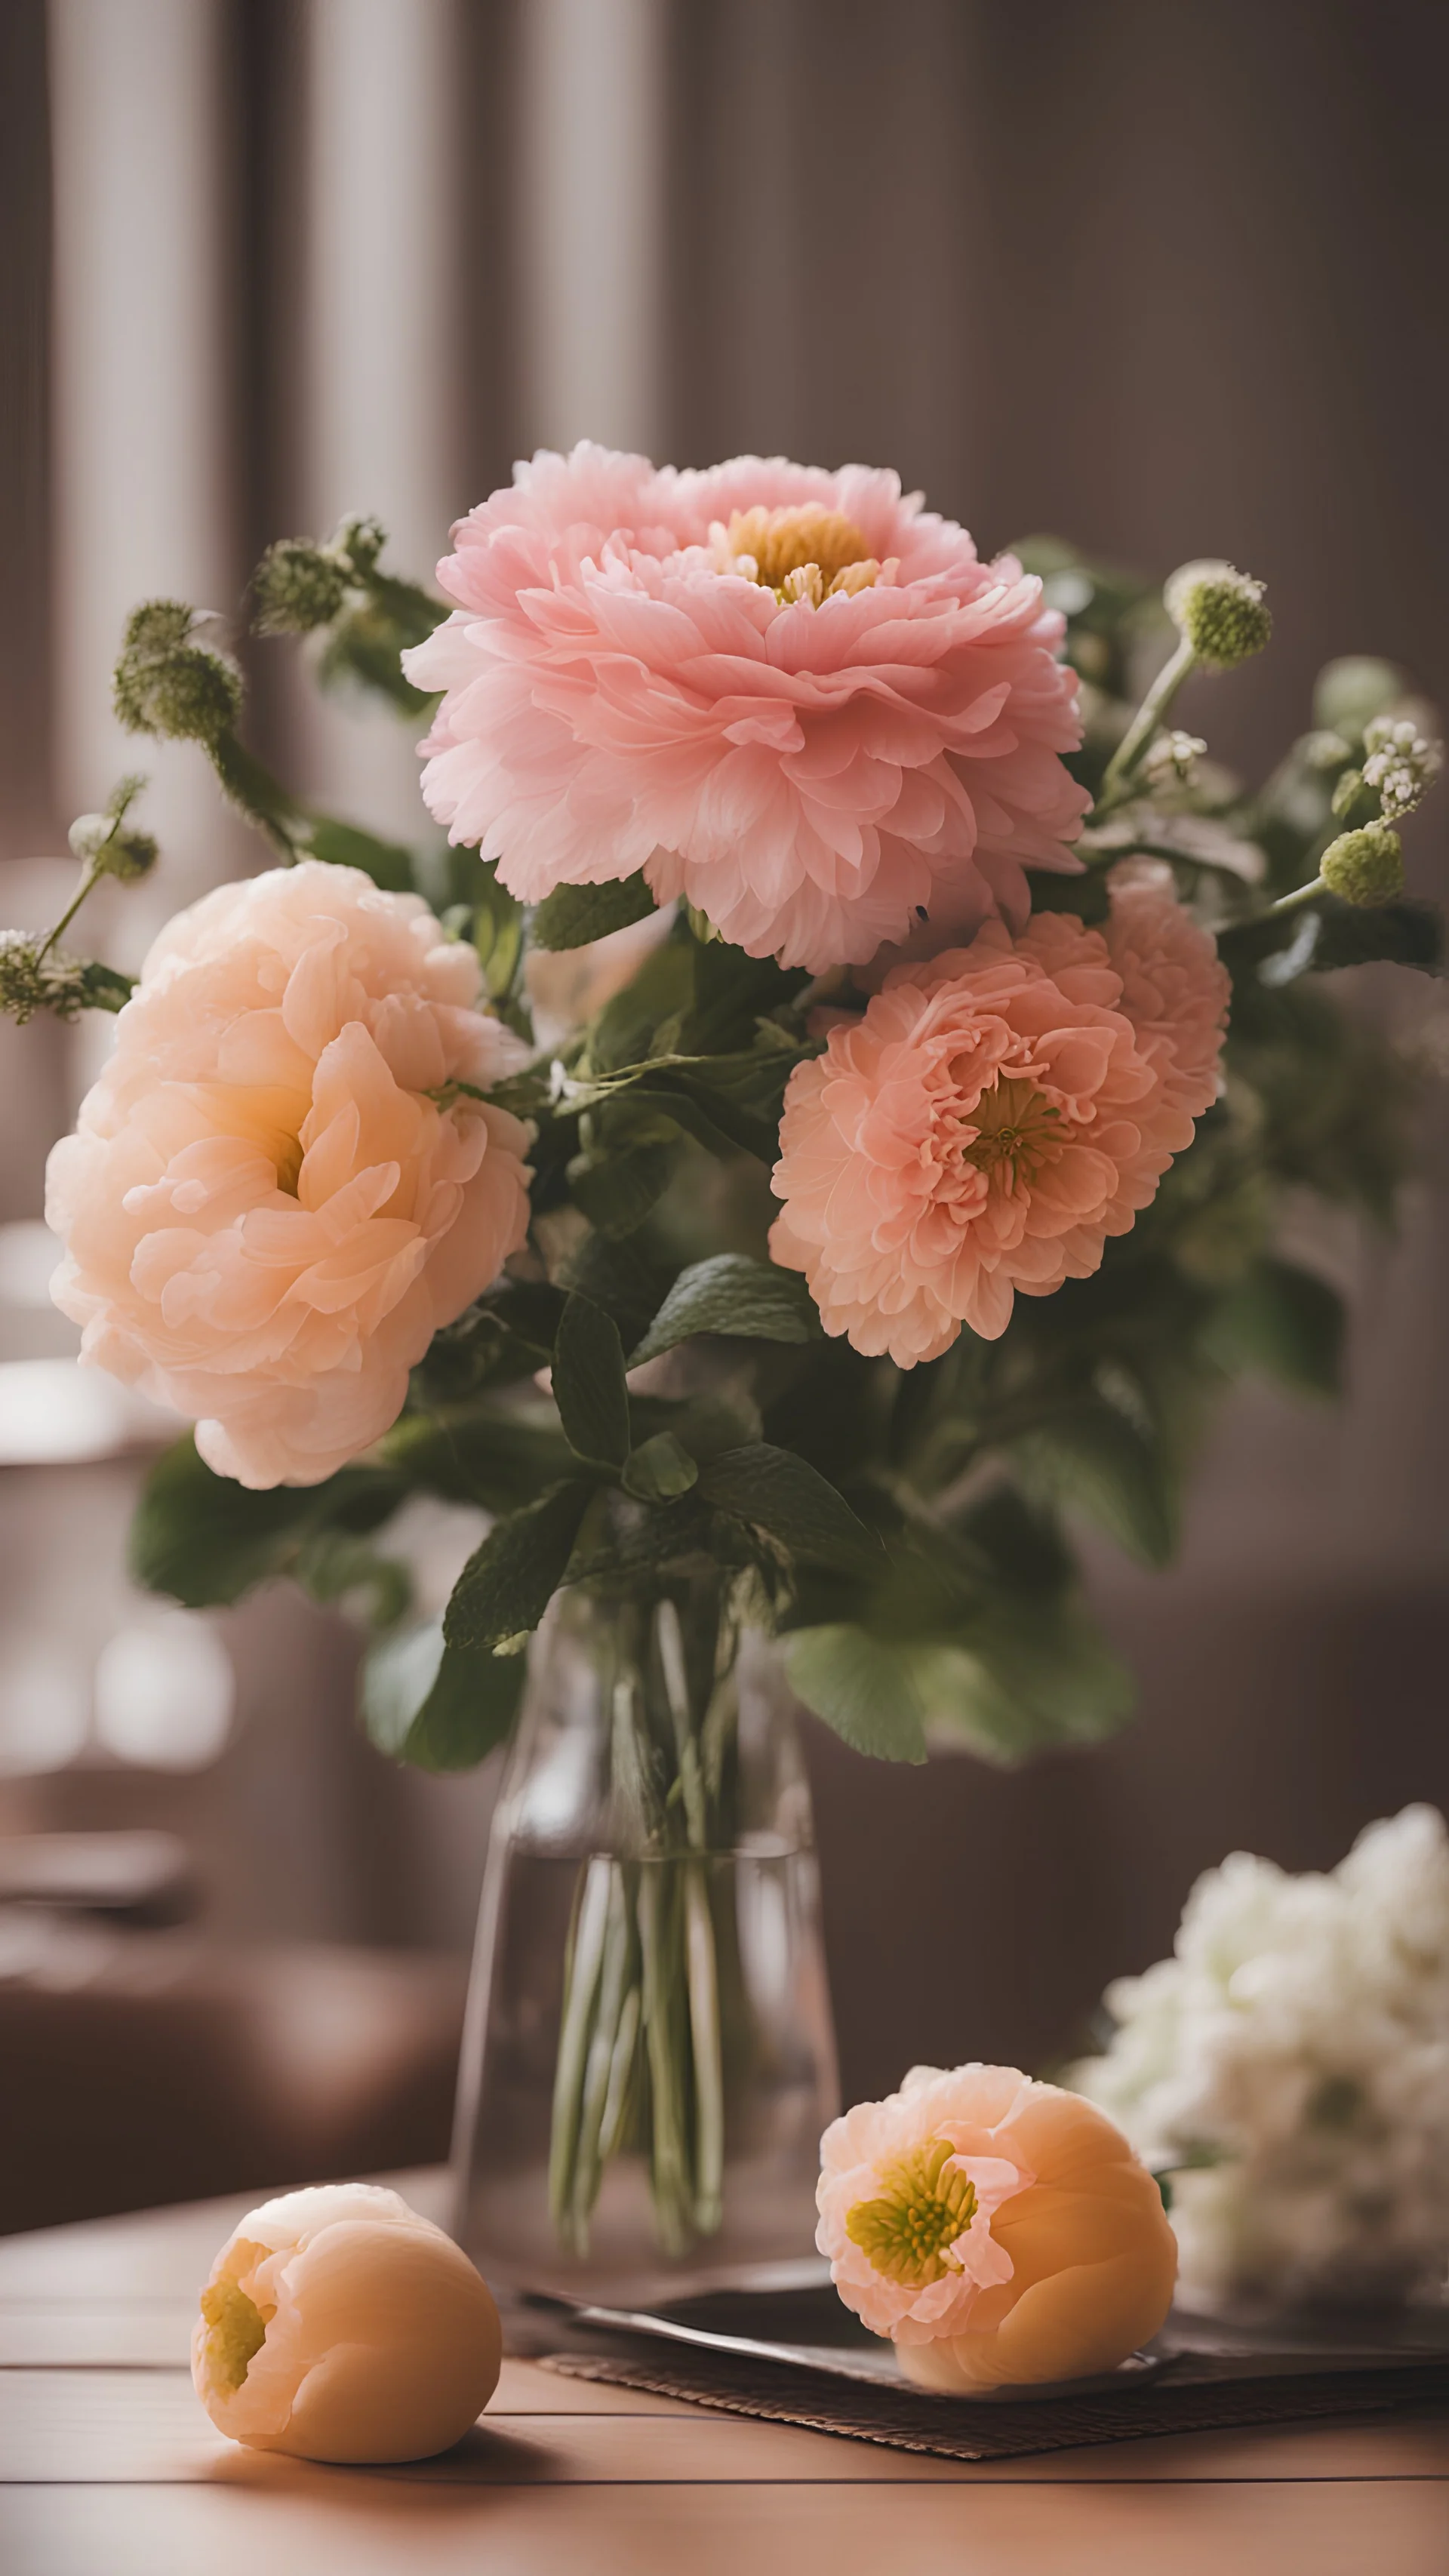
(338, 2325)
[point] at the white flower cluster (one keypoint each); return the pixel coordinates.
(1289, 2067)
(1402, 764)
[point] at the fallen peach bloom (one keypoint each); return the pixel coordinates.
(338, 2325)
(1001, 2231)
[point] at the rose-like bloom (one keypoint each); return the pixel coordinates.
(1000, 2231)
(266, 1216)
(795, 698)
(338, 2325)
(993, 1117)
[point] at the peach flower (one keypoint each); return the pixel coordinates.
(266, 1216)
(338, 2325)
(1000, 2231)
(992, 1118)
(796, 698)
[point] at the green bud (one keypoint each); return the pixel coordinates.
(297, 587)
(1222, 612)
(168, 684)
(1364, 867)
(359, 541)
(31, 983)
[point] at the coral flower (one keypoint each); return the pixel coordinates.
(1001, 2232)
(992, 1118)
(795, 698)
(266, 1214)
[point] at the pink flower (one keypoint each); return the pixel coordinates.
(266, 1216)
(795, 698)
(995, 1115)
(1001, 2232)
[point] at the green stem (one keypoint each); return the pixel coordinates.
(1125, 760)
(1287, 903)
(91, 876)
(582, 1970)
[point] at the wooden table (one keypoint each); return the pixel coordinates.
(108, 2467)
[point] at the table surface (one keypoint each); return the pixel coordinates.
(108, 2467)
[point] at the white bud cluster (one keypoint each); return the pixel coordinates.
(1401, 763)
(1288, 2065)
(1173, 756)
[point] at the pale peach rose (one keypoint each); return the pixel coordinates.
(793, 697)
(1000, 2231)
(266, 1216)
(339, 2325)
(992, 1118)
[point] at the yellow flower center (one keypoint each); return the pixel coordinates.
(1015, 1127)
(807, 553)
(907, 2233)
(238, 2330)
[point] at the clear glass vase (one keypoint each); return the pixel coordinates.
(649, 2058)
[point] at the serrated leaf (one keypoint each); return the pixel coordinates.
(572, 916)
(862, 1687)
(588, 1384)
(793, 1503)
(1284, 1321)
(1091, 1458)
(732, 1294)
(508, 1582)
(440, 1707)
(659, 1470)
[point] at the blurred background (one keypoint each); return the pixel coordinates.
(1169, 280)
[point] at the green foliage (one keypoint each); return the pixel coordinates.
(588, 1384)
(345, 845)
(729, 1293)
(206, 1541)
(440, 1707)
(1284, 1322)
(573, 915)
(508, 1582)
(791, 1502)
(660, 1469)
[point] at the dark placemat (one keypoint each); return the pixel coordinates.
(1194, 2391)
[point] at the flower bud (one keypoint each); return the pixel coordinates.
(1364, 867)
(1172, 756)
(1221, 612)
(1401, 763)
(30, 982)
(168, 684)
(338, 2325)
(1350, 692)
(297, 587)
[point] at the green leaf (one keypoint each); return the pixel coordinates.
(1284, 1321)
(618, 1190)
(573, 915)
(862, 1687)
(440, 1707)
(1397, 934)
(474, 1454)
(732, 1294)
(793, 1503)
(205, 1540)
(588, 1384)
(345, 845)
(333, 1567)
(1089, 1456)
(659, 1470)
(508, 1582)
(1022, 1680)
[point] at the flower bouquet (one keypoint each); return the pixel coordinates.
(819, 1127)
